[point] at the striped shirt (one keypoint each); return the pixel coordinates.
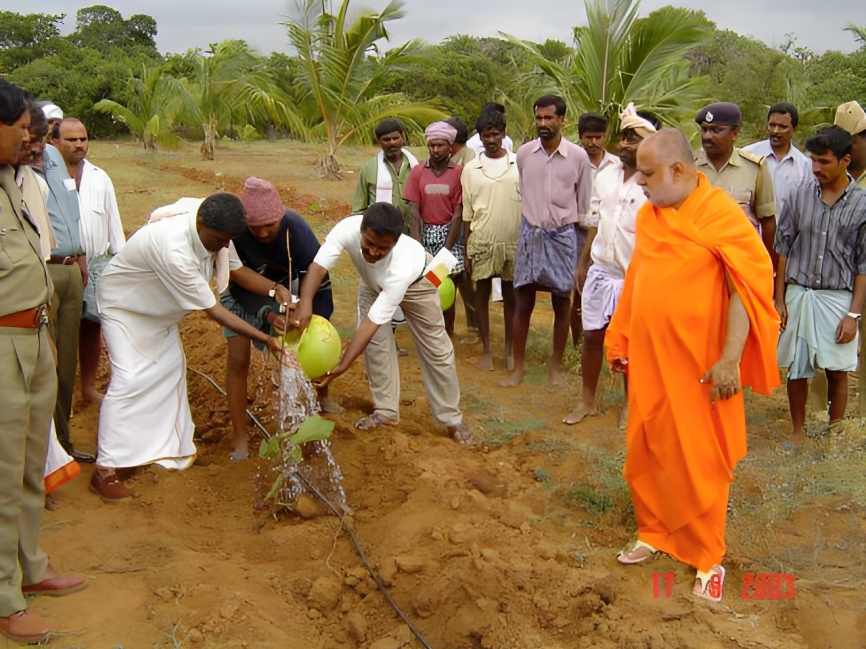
(825, 245)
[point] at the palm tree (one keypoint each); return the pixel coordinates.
(228, 83)
(343, 73)
(619, 58)
(859, 33)
(155, 99)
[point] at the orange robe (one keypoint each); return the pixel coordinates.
(670, 324)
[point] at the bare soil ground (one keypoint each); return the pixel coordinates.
(507, 545)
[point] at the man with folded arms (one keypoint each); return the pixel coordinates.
(695, 322)
(29, 392)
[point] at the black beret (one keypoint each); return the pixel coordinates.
(724, 113)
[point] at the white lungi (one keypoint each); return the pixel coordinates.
(599, 298)
(145, 416)
(809, 340)
(60, 468)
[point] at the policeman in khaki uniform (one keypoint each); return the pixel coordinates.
(745, 176)
(28, 394)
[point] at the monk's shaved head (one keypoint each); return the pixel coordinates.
(666, 168)
(671, 146)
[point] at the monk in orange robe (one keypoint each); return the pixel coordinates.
(695, 322)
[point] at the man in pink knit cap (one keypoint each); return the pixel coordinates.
(268, 260)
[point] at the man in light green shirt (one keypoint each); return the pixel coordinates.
(381, 179)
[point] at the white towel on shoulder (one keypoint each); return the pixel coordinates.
(384, 181)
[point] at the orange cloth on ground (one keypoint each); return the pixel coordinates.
(670, 324)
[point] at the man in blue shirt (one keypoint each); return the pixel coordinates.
(68, 270)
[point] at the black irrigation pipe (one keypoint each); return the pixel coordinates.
(343, 523)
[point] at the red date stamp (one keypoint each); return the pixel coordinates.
(767, 585)
(666, 580)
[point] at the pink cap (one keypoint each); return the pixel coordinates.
(262, 202)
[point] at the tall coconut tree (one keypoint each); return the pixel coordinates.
(155, 98)
(619, 57)
(343, 72)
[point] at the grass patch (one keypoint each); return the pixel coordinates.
(588, 496)
(508, 430)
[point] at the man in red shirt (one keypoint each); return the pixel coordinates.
(435, 200)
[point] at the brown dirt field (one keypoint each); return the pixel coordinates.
(508, 545)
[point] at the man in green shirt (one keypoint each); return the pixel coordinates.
(382, 178)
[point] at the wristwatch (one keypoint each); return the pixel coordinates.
(273, 291)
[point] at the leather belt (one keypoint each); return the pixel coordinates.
(27, 319)
(68, 260)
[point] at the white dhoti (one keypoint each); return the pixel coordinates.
(60, 468)
(145, 416)
(809, 340)
(599, 298)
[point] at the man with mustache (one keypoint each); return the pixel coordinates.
(592, 132)
(616, 199)
(786, 162)
(745, 176)
(101, 236)
(821, 277)
(555, 186)
(391, 269)
(382, 179)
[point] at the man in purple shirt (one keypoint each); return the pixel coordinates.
(556, 185)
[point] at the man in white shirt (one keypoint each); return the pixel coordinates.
(391, 267)
(616, 199)
(101, 236)
(162, 273)
(475, 142)
(788, 165)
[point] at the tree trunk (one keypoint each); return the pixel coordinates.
(210, 135)
(329, 168)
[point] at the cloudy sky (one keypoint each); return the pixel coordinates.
(196, 23)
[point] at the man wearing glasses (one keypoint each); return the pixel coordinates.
(745, 176)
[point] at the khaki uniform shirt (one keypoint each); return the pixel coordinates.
(23, 276)
(747, 179)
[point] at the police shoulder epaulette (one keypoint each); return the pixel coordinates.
(751, 157)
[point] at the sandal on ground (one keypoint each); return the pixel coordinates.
(640, 551)
(712, 584)
(373, 421)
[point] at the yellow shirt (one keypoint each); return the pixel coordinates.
(491, 199)
(747, 179)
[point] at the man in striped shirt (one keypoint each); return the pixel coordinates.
(821, 278)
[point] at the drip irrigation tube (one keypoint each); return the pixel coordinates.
(343, 523)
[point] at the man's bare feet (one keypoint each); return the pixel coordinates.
(508, 357)
(330, 407)
(486, 363)
(471, 339)
(461, 434)
(514, 380)
(241, 452)
(51, 503)
(579, 414)
(373, 421)
(91, 396)
(557, 377)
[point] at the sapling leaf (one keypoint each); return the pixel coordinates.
(296, 454)
(313, 429)
(270, 448)
(276, 486)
